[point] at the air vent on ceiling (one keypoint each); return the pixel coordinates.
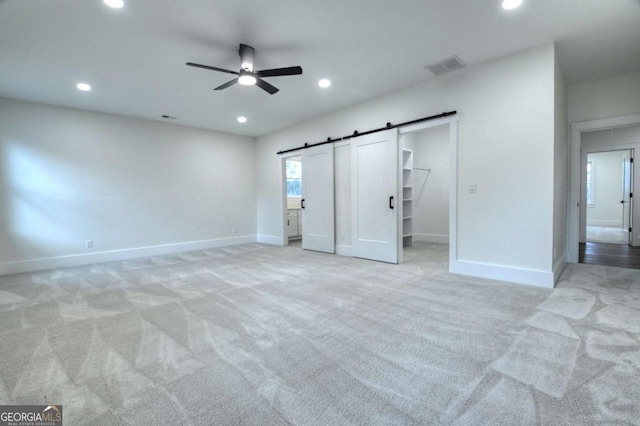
(450, 64)
(169, 117)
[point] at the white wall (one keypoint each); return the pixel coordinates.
(560, 173)
(67, 176)
(506, 112)
(431, 189)
(605, 98)
(607, 210)
(407, 141)
(611, 139)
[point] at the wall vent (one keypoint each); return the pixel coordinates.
(450, 64)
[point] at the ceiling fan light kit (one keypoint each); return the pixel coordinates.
(246, 75)
(247, 78)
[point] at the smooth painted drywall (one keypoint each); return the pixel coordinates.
(612, 97)
(67, 176)
(560, 171)
(607, 210)
(407, 141)
(505, 146)
(431, 188)
(611, 139)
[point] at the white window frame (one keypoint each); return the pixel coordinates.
(591, 182)
(293, 197)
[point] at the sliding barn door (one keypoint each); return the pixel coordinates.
(374, 196)
(318, 220)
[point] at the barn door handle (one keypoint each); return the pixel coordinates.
(302, 203)
(391, 202)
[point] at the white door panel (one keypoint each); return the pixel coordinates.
(318, 229)
(374, 220)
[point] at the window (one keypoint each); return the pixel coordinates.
(591, 187)
(294, 177)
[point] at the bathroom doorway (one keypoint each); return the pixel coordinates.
(293, 173)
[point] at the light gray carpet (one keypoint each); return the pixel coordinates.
(256, 334)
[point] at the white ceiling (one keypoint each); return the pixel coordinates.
(135, 57)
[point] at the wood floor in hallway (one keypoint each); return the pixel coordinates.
(617, 255)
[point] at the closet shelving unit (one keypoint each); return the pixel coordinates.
(407, 198)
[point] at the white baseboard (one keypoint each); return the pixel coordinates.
(431, 238)
(270, 239)
(558, 268)
(117, 255)
(612, 223)
(343, 250)
(503, 273)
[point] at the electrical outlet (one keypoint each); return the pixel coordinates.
(234, 230)
(89, 243)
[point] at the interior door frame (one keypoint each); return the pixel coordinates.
(452, 121)
(584, 159)
(627, 194)
(575, 173)
(283, 193)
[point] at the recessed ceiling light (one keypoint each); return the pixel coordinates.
(324, 83)
(116, 4)
(83, 86)
(511, 4)
(242, 119)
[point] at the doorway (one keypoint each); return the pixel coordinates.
(293, 197)
(308, 198)
(600, 135)
(432, 210)
(426, 192)
(608, 189)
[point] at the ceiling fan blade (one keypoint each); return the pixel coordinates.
(279, 71)
(227, 84)
(207, 67)
(266, 86)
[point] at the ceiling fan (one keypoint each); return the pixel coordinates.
(247, 76)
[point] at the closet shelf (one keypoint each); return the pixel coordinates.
(407, 192)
